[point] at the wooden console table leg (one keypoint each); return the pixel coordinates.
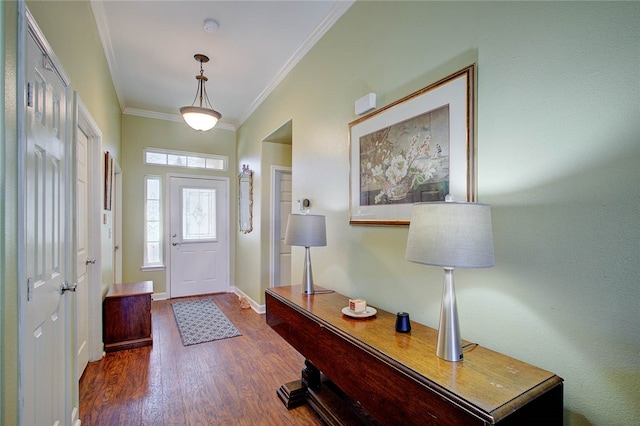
(310, 375)
(294, 394)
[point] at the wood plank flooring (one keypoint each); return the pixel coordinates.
(224, 382)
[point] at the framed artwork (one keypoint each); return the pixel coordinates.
(417, 149)
(108, 179)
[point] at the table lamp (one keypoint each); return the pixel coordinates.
(450, 235)
(306, 230)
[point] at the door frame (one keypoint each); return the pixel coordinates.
(84, 121)
(274, 245)
(167, 223)
(116, 218)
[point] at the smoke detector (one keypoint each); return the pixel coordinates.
(211, 25)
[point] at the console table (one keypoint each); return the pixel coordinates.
(361, 371)
(127, 316)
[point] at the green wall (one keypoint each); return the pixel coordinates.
(139, 133)
(71, 31)
(558, 102)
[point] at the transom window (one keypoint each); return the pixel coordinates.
(193, 160)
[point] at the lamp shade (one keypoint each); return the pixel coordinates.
(307, 230)
(451, 235)
(199, 118)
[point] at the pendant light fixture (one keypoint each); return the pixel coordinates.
(202, 117)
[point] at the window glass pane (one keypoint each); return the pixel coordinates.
(152, 224)
(195, 162)
(153, 253)
(153, 232)
(177, 160)
(153, 189)
(153, 210)
(198, 214)
(215, 163)
(155, 158)
(185, 159)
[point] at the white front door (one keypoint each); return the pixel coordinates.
(198, 236)
(45, 334)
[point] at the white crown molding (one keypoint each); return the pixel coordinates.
(337, 10)
(105, 37)
(169, 117)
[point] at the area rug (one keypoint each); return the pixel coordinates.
(202, 321)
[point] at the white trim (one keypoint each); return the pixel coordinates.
(170, 117)
(85, 122)
(337, 10)
(274, 246)
(260, 309)
(151, 266)
(201, 155)
(105, 37)
(116, 217)
(159, 296)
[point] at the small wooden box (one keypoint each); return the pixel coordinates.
(127, 316)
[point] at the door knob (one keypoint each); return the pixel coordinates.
(175, 244)
(66, 287)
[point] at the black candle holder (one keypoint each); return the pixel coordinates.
(403, 324)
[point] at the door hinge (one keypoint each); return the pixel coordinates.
(29, 94)
(29, 288)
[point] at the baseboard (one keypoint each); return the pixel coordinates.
(75, 421)
(261, 309)
(159, 296)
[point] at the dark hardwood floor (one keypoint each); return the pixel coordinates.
(224, 382)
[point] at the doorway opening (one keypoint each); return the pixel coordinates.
(277, 152)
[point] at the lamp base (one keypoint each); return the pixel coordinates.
(449, 347)
(307, 275)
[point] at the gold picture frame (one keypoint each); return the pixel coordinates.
(108, 179)
(417, 149)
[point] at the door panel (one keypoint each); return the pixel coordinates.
(83, 263)
(45, 376)
(198, 228)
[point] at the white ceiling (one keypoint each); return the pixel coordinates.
(149, 45)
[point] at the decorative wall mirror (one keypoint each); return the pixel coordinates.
(245, 195)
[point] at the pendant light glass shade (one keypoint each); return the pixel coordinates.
(200, 117)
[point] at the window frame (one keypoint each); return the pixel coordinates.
(146, 265)
(192, 155)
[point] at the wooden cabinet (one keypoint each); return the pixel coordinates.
(127, 316)
(361, 371)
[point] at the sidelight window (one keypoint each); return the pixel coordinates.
(153, 222)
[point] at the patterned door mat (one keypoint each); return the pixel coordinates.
(202, 321)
